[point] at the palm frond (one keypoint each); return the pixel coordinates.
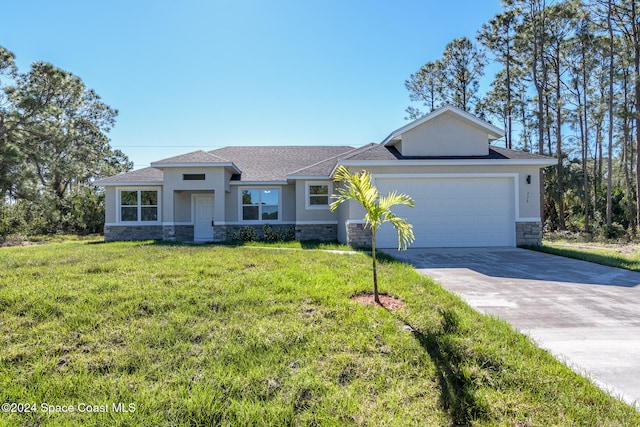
(358, 187)
(393, 198)
(405, 231)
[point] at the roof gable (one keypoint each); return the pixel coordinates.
(447, 131)
(198, 157)
(144, 176)
(325, 167)
(275, 163)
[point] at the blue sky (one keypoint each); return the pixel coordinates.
(202, 74)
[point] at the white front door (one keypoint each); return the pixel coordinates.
(203, 218)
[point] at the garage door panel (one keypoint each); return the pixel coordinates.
(468, 221)
(475, 211)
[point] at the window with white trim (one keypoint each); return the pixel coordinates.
(260, 204)
(318, 195)
(138, 205)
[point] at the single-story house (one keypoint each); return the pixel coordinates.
(466, 191)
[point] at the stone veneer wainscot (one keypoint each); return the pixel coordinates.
(528, 234)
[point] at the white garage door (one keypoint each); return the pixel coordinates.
(453, 212)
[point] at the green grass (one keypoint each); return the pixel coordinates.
(223, 335)
(615, 255)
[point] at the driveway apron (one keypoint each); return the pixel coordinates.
(585, 314)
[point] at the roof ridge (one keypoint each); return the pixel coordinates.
(542, 156)
(281, 146)
(275, 162)
(216, 156)
(336, 157)
(148, 173)
(185, 155)
(364, 148)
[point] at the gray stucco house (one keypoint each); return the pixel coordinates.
(466, 192)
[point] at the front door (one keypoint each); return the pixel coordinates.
(203, 221)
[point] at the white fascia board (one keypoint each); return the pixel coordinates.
(310, 177)
(134, 224)
(272, 183)
(130, 184)
(279, 223)
(454, 175)
(316, 222)
(195, 165)
(255, 222)
(450, 162)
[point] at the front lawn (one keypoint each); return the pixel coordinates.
(219, 335)
(614, 254)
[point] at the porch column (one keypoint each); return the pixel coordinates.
(168, 226)
(219, 229)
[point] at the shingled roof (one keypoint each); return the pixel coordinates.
(275, 163)
(370, 151)
(146, 175)
(193, 157)
(279, 163)
(495, 153)
(517, 155)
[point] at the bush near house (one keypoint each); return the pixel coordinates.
(249, 234)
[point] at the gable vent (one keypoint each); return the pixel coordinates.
(193, 177)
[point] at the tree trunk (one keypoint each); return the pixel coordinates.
(509, 102)
(541, 121)
(628, 158)
(636, 66)
(584, 129)
(597, 181)
(525, 130)
(539, 71)
(559, 177)
(547, 129)
(376, 297)
(584, 153)
(610, 108)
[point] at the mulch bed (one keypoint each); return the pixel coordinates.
(386, 301)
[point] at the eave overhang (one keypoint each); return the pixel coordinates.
(227, 165)
(448, 162)
(129, 183)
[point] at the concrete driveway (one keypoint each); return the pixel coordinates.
(587, 315)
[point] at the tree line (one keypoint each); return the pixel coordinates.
(53, 145)
(568, 86)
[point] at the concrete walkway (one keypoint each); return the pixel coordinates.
(586, 314)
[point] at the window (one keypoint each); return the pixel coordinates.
(260, 205)
(193, 177)
(138, 205)
(318, 195)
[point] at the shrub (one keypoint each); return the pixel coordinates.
(278, 235)
(80, 212)
(614, 231)
(249, 234)
(246, 234)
